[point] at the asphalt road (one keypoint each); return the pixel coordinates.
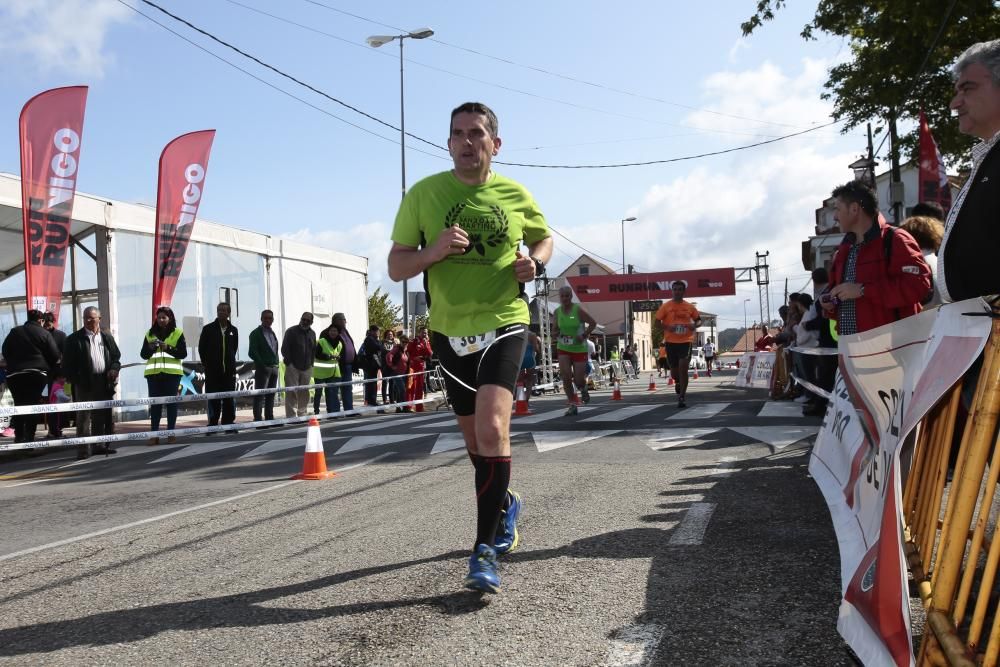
(651, 536)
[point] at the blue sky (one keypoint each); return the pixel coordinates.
(622, 82)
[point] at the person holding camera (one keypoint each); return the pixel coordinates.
(163, 348)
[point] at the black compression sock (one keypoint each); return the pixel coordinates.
(492, 478)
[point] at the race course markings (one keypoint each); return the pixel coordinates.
(691, 530)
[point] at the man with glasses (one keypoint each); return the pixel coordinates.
(298, 349)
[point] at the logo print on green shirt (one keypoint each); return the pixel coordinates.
(483, 231)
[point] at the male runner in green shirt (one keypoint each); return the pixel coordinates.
(464, 228)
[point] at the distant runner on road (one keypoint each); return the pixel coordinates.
(573, 326)
(463, 229)
(680, 319)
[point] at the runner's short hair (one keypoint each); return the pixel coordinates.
(857, 192)
(679, 282)
(477, 107)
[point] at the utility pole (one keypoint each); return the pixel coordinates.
(896, 184)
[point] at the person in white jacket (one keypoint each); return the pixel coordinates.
(803, 363)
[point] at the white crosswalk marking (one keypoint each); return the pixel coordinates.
(365, 441)
(277, 446)
(691, 530)
(778, 437)
(386, 422)
(546, 416)
(781, 409)
(622, 413)
(665, 438)
(700, 411)
(546, 441)
(447, 442)
(196, 450)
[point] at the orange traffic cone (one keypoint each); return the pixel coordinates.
(521, 404)
(314, 464)
(695, 376)
(652, 383)
(616, 395)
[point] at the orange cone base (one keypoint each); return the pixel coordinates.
(616, 395)
(314, 467)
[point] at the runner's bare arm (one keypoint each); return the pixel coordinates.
(407, 261)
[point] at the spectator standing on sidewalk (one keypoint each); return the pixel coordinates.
(388, 341)
(298, 349)
(163, 348)
(217, 348)
(369, 358)
(399, 364)
(91, 363)
(56, 420)
(30, 354)
(419, 352)
(347, 361)
(326, 368)
(263, 351)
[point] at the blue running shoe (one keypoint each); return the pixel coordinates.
(507, 536)
(483, 570)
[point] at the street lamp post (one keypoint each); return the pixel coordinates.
(746, 342)
(376, 41)
(625, 309)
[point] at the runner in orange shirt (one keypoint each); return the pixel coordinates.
(680, 319)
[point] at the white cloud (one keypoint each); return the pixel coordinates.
(369, 240)
(62, 36)
(740, 44)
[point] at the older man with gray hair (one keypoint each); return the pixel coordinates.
(969, 250)
(91, 361)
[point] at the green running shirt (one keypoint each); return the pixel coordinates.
(476, 291)
(569, 325)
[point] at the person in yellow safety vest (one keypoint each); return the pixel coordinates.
(326, 368)
(163, 348)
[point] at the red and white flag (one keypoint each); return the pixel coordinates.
(51, 130)
(183, 165)
(933, 184)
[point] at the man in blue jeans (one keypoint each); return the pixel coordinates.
(346, 362)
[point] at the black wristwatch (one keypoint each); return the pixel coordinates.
(539, 266)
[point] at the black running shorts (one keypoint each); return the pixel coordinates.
(499, 364)
(678, 353)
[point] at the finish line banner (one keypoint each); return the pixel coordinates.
(889, 379)
(638, 286)
(183, 165)
(51, 128)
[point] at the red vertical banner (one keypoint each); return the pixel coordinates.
(51, 131)
(933, 184)
(183, 166)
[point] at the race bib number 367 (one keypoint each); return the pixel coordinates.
(463, 345)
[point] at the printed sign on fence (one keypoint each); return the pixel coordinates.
(889, 378)
(755, 370)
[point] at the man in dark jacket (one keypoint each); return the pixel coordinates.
(264, 354)
(217, 349)
(30, 354)
(346, 362)
(91, 362)
(56, 419)
(370, 358)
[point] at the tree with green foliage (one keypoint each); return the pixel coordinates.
(382, 311)
(895, 70)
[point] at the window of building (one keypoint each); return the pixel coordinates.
(584, 269)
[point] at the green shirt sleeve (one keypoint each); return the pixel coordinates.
(535, 227)
(406, 230)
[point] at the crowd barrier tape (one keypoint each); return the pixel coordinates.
(805, 384)
(816, 351)
(50, 408)
(201, 430)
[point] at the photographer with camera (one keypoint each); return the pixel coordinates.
(163, 348)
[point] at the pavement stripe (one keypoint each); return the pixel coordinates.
(665, 438)
(634, 646)
(691, 530)
(546, 416)
(400, 421)
(777, 437)
(700, 411)
(275, 446)
(781, 409)
(622, 413)
(546, 441)
(447, 442)
(195, 450)
(360, 442)
(727, 466)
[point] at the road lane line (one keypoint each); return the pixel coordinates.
(691, 530)
(153, 519)
(634, 646)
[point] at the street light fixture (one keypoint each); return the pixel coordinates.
(625, 304)
(746, 341)
(376, 41)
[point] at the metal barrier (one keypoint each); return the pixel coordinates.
(949, 529)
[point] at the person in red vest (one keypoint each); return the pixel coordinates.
(419, 351)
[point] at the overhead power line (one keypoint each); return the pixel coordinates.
(421, 139)
(550, 73)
